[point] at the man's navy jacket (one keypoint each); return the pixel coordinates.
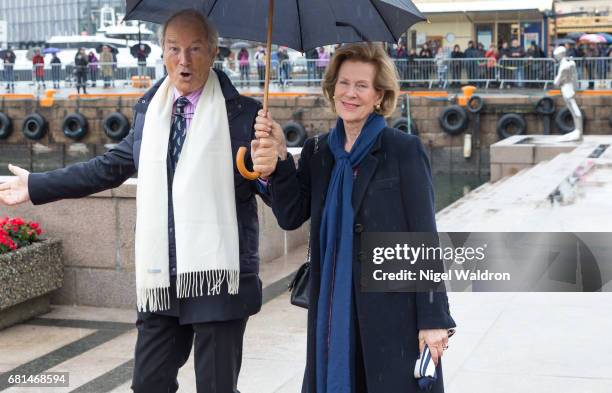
(121, 162)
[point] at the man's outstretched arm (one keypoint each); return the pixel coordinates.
(75, 181)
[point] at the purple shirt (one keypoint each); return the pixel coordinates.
(189, 108)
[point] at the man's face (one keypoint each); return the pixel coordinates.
(186, 55)
(515, 43)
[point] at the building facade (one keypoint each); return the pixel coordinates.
(489, 22)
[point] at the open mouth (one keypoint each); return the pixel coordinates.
(185, 75)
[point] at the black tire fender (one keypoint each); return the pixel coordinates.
(6, 126)
(475, 104)
(34, 126)
(454, 119)
(565, 122)
(75, 126)
(401, 123)
(116, 126)
(545, 106)
(295, 134)
(511, 120)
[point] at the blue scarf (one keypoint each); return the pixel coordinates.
(335, 336)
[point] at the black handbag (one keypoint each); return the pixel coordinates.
(300, 284)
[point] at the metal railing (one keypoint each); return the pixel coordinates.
(595, 72)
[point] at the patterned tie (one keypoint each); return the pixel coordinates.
(177, 132)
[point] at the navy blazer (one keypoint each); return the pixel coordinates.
(392, 192)
(121, 162)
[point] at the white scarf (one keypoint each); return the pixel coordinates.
(205, 222)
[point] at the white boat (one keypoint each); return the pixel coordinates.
(121, 35)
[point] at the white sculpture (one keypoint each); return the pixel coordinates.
(566, 79)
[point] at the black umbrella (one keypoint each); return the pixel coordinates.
(135, 48)
(113, 48)
(294, 23)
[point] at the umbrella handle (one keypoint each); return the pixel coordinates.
(242, 168)
(242, 150)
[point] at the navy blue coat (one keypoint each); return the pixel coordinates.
(392, 192)
(121, 162)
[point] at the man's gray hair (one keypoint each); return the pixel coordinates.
(212, 36)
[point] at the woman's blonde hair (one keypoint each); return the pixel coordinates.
(385, 78)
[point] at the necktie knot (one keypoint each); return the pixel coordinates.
(181, 103)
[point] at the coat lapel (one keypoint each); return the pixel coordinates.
(366, 171)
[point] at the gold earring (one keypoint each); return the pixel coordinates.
(377, 107)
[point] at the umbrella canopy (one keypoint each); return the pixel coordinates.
(284, 22)
(607, 36)
(321, 22)
(113, 48)
(593, 39)
(240, 45)
(51, 50)
(135, 48)
(563, 41)
(575, 35)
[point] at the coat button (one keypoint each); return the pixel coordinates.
(358, 228)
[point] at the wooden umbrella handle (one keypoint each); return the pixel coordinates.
(242, 150)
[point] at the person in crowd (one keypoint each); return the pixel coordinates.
(80, 70)
(9, 72)
(360, 177)
(56, 70)
(92, 60)
(471, 53)
(456, 65)
(260, 60)
(426, 63)
(492, 56)
(284, 66)
(441, 67)
(106, 66)
(322, 61)
(311, 65)
(244, 66)
(38, 64)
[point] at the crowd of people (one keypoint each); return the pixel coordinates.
(505, 61)
(86, 69)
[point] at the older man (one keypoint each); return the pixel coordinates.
(197, 256)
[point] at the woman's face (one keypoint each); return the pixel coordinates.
(354, 93)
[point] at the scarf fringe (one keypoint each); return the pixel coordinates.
(153, 299)
(191, 284)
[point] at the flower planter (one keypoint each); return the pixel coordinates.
(27, 276)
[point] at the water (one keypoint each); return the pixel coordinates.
(451, 187)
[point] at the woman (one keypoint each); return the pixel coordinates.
(322, 62)
(92, 59)
(363, 177)
(492, 56)
(38, 62)
(243, 63)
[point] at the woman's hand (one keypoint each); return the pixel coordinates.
(436, 340)
(268, 146)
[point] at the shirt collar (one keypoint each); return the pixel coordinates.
(193, 97)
